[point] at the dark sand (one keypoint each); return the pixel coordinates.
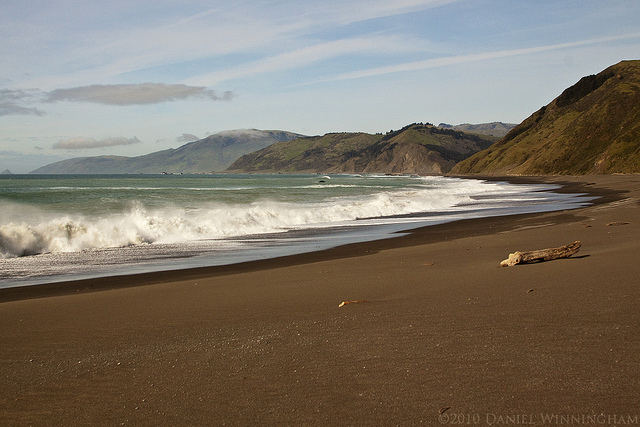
(265, 343)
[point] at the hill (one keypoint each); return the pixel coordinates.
(498, 129)
(593, 127)
(214, 153)
(416, 148)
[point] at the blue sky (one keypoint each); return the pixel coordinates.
(131, 77)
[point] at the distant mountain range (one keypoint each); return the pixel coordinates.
(416, 148)
(214, 153)
(593, 127)
(498, 129)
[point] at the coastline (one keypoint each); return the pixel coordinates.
(442, 327)
(418, 235)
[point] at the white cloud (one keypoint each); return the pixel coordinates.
(81, 143)
(301, 20)
(17, 101)
(131, 94)
(11, 108)
(103, 53)
(12, 102)
(296, 58)
(461, 59)
(341, 12)
(187, 137)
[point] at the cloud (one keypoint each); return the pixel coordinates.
(169, 37)
(11, 108)
(11, 100)
(135, 94)
(461, 59)
(187, 137)
(298, 58)
(343, 13)
(81, 143)
(14, 95)
(16, 101)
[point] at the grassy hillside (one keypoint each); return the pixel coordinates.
(416, 148)
(593, 127)
(317, 153)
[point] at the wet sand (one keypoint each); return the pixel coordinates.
(441, 328)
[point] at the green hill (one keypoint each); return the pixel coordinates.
(593, 127)
(417, 148)
(214, 153)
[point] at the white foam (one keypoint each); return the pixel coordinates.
(138, 225)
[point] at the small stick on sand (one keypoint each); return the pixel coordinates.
(541, 255)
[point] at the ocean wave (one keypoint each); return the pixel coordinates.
(138, 225)
(28, 230)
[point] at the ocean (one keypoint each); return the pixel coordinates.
(66, 227)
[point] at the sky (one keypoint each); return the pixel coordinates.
(87, 78)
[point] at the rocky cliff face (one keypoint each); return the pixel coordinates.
(409, 158)
(417, 148)
(593, 127)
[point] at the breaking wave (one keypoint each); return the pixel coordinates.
(138, 225)
(144, 217)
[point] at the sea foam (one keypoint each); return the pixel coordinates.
(60, 228)
(47, 232)
(30, 230)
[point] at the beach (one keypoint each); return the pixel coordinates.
(437, 334)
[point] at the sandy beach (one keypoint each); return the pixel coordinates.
(441, 334)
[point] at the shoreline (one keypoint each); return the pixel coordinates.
(438, 329)
(432, 234)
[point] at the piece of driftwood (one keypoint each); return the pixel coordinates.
(541, 255)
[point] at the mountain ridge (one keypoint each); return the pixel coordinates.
(592, 127)
(217, 152)
(213, 153)
(416, 148)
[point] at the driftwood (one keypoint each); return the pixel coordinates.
(541, 255)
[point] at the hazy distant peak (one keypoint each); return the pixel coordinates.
(213, 153)
(251, 133)
(498, 129)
